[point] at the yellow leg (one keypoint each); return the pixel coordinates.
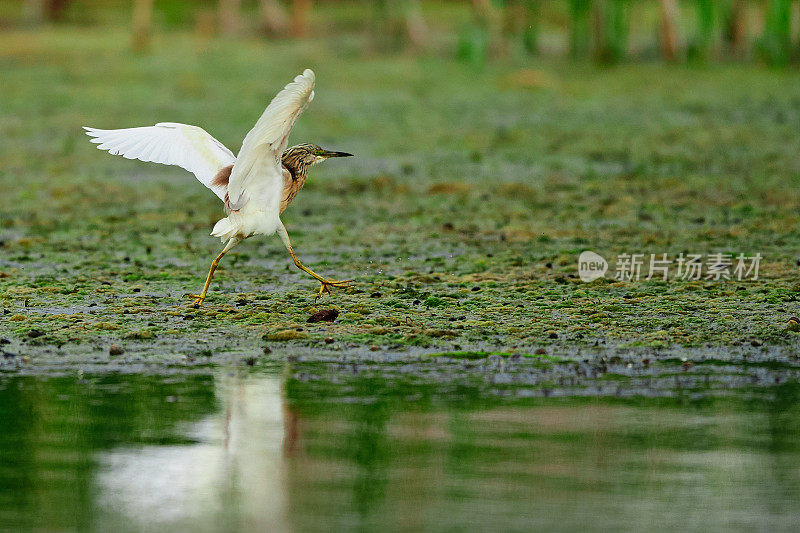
(200, 298)
(325, 284)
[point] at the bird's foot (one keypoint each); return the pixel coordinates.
(326, 284)
(198, 299)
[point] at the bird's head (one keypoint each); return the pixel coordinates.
(302, 156)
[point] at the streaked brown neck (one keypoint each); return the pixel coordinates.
(296, 163)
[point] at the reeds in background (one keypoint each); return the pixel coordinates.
(775, 44)
(142, 24)
(612, 24)
(701, 47)
(734, 27)
(397, 24)
(475, 31)
(579, 36)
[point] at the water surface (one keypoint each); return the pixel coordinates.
(282, 450)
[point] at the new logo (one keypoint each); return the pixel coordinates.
(591, 266)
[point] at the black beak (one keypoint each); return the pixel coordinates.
(337, 154)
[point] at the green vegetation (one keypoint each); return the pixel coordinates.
(461, 218)
(775, 44)
(476, 31)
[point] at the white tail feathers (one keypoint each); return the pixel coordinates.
(225, 229)
(239, 225)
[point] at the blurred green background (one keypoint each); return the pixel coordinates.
(606, 31)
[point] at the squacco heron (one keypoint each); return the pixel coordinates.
(256, 186)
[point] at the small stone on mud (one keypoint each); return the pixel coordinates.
(328, 340)
(375, 295)
(5, 341)
(757, 343)
(553, 335)
(35, 333)
(7, 355)
(324, 315)
(475, 289)
(250, 361)
(115, 349)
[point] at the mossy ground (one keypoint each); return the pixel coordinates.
(460, 218)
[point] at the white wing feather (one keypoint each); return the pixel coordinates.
(269, 137)
(169, 143)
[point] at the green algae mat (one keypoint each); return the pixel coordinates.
(461, 218)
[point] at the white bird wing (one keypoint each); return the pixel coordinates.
(170, 143)
(269, 138)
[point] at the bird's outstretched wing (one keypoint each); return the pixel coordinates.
(170, 143)
(265, 143)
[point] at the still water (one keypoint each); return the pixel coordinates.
(271, 450)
